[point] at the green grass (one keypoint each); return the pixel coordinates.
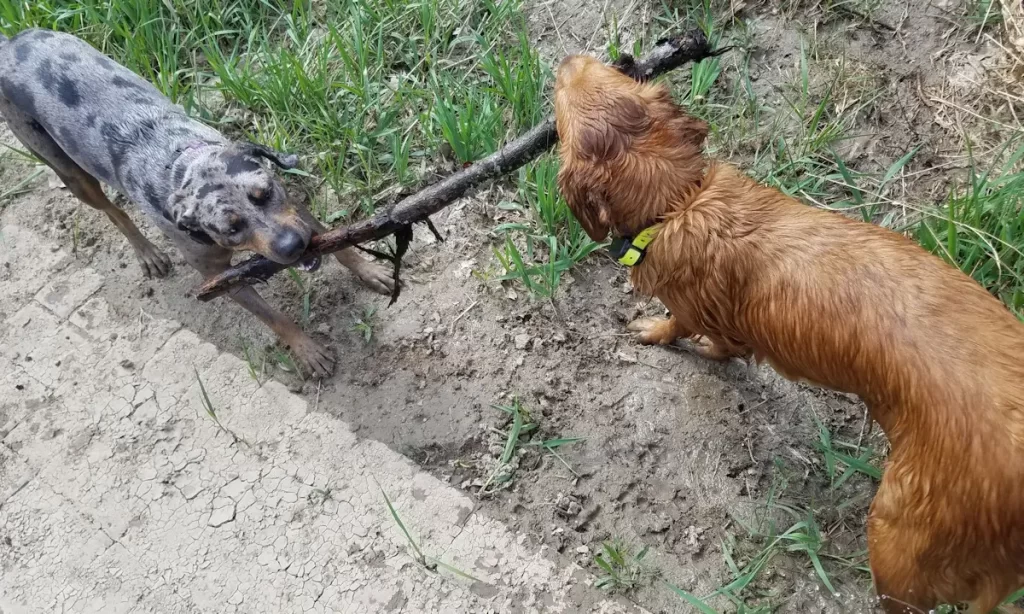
(622, 570)
(980, 229)
(429, 563)
(504, 470)
(517, 440)
(984, 13)
(367, 91)
(365, 323)
(545, 240)
(211, 411)
(790, 522)
(782, 526)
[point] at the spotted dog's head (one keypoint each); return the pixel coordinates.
(231, 198)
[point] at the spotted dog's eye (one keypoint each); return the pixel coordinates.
(236, 224)
(259, 197)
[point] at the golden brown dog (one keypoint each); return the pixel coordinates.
(746, 270)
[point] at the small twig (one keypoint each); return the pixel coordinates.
(753, 407)
(558, 31)
(972, 113)
(451, 327)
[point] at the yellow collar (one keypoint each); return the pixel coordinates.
(630, 251)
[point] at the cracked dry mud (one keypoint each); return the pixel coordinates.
(119, 494)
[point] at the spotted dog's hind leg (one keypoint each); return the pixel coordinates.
(83, 185)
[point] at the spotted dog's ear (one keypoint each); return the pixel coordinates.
(281, 159)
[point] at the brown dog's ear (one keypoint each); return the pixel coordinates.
(614, 128)
(691, 130)
(685, 127)
(586, 200)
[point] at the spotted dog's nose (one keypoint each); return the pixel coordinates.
(289, 245)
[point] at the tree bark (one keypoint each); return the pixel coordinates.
(666, 55)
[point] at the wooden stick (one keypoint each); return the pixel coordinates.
(667, 55)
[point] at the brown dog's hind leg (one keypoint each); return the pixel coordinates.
(373, 276)
(84, 186)
(895, 544)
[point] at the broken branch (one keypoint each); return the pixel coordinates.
(667, 55)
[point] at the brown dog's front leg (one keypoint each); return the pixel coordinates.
(314, 356)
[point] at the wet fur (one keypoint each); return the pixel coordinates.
(93, 120)
(746, 270)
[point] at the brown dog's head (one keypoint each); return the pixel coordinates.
(628, 152)
(229, 197)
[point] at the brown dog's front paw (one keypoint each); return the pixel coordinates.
(153, 261)
(316, 359)
(654, 331)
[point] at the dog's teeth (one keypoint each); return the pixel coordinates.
(310, 264)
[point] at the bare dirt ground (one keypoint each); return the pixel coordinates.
(677, 451)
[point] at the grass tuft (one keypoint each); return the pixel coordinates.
(545, 240)
(429, 563)
(980, 229)
(212, 412)
(623, 571)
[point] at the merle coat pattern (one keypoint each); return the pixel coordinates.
(92, 120)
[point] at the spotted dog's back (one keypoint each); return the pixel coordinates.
(110, 121)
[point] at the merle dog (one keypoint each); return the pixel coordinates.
(92, 120)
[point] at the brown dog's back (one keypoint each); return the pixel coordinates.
(854, 307)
